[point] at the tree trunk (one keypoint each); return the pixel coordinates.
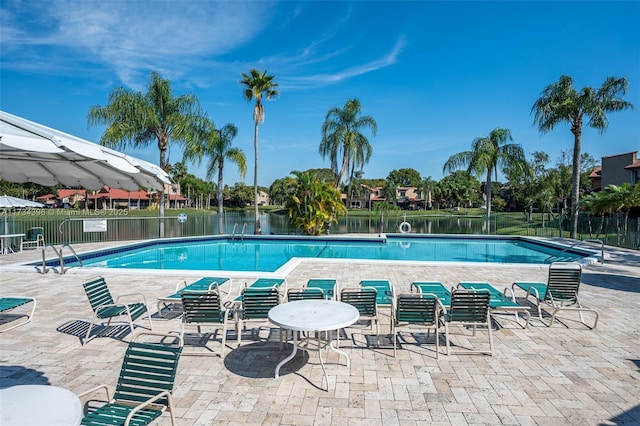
(220, 196)
(576, 129)
(487, 191)
(257, 230)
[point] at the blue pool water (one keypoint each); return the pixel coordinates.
(270, 253)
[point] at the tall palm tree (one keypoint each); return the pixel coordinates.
(137, 119)
(560, 103)
(487, 155)
(217, 145)
(257, 86)
(342, 134)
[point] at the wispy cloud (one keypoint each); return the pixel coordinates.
(130, 37)
(189, 41)
(316, 80)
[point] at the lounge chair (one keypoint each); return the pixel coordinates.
(500, 302)
(328, 286)
(105, 307)
(203, 309)
(255, 305)
(9, 303)
(203, 284)
(145, 384)
(364, 299)
(416, 311)
(384, 294)
(34, 238)
(560, 292)
(469, 308)
(433, 287)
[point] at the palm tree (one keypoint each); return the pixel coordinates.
(178, 172)
(428, 186)
(313, 204)
(341, 133)
(136, 119)
(486, 156)
(256, 86)
(560, 103)
(217, 145)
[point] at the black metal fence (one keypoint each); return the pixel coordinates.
(79, 226)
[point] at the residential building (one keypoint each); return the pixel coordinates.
(616, 170)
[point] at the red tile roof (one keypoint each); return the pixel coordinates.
(635, 165)
(596, 173)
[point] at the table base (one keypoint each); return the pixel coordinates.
(321, 345)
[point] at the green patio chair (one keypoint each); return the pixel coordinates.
(9, 303)
(34, 238)
(363, 299)
(294, 294)
(204, 309)
(105, 307)
(255, 305)
(145, 384)
(418, 311)
(560, 292)
(203, 284)
(327, 285)
(469, 308)
(500, 302)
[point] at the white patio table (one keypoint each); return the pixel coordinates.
(313, 316)
(5, 242)
(38, 405)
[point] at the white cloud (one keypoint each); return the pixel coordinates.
(316, 80)
(135, 36)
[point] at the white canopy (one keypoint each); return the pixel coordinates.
(31, 152)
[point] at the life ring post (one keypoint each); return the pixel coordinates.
(404, 227)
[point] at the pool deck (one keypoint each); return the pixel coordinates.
(566, 374)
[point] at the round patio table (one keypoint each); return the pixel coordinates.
(313, 316)
(38, 405)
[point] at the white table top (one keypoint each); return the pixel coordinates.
(313, 315)
(38, 405)
(11, 235)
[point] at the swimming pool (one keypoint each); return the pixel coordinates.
(269, 253)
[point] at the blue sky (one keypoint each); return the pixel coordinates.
(434, 75)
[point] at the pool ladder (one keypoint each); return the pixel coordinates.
(235, 229)
(586, 240)
(60, 255)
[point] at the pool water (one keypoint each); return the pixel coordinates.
(267, 255)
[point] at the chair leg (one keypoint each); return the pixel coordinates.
(224, 338)
(88, 332)
(394, 337)
(446, 334)
(149, 318)
(490, 335)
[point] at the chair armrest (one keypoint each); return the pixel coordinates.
(182, 283)
(87, 392)
(132, 294)
(148, 402)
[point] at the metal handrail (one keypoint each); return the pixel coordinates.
(44, 257)
(590, 240)
(62, 270)
(244, 230)
(233, 233)
(597, 240)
